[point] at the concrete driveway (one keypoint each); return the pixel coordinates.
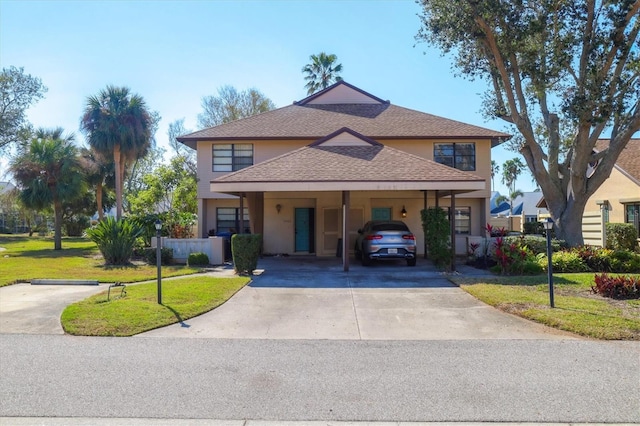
(310, 298)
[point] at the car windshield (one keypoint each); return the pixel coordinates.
(389, 227)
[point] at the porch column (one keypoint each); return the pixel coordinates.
(241, 230)
(424, 236)
(345, 229)
(255, 204)
(452, 222)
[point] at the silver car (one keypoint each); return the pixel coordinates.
(385, 239)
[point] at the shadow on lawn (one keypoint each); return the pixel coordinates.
(178, 316)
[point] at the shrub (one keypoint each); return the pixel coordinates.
(533, 228)
(621, 236)
(197, 258)
(75, 225)
(512, 256)
(245, 249)
(437, 234)
(115, 239)
(531, 267)
(624, 261)
(563, 261)
(620, 287)
(166, 255)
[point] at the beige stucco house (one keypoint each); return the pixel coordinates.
(312, 173)
(619, 195)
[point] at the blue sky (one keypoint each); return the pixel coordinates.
(175, 52)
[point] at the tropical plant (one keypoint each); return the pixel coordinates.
(118, 123)
(231, 105)
(563, 74)
(511, 169)
(49, 175)
(321, 72)
(115, 239)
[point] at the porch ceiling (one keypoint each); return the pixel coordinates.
(369, 167)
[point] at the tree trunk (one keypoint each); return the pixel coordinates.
(57, 224)
(99, 201)
(119, 174)
(567, 215)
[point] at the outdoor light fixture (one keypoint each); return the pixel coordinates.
(403, 212)
(548, 226)
(278, 208)
(158, 225)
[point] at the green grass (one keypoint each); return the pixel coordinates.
(138, 310)
(577, 309)
(26, 258)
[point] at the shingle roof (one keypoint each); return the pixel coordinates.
(629, 159)
(303, 120)
(371, 163)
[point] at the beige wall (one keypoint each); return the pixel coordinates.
(279, 228)
(617, 187)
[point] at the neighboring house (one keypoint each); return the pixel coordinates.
(526, 204)
(619, 195)
(290, 173)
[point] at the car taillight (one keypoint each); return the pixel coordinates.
(409, 237)
(374, 237)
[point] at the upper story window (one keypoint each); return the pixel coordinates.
(232, 157)
(461, 156)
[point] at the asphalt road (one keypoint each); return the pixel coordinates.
(469, 380)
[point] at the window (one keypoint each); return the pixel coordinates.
(228, 219)
(462, 219)
(632, 215)
(232, 157)
(461, 156)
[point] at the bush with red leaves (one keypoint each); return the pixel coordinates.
(620, 287)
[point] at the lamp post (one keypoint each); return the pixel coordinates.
(159, 258)
(548, 226)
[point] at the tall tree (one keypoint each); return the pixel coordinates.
(49, 175)
(321, 72)
(512, 196)
(495, 169)
(188, 155)
(231, 105)
(18, 91)
(562, 73)
(511, 169)
(99, 173)
(118, 123)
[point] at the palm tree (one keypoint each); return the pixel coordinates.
(511, 169)
(118, 123)
(495, 169)
(99, 173)
(48, 172)
(321, 72)
(512, 196)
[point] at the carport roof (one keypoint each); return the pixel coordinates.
(347, 160)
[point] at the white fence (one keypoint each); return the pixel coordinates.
(183, 247)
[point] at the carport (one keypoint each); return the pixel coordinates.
(333, 170)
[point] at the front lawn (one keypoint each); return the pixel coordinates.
(138, 310)
(26, 258)
(577, 309)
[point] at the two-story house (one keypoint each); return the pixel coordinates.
(312, 173)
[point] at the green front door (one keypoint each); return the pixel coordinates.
(304, 229)
(381, 213)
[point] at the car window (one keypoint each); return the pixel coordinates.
(389, 227)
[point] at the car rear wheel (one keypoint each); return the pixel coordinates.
(411, 262)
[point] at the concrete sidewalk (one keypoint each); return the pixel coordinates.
(85, 421)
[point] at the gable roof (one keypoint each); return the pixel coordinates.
(629, 160)
(312, 119)
(347, 160)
